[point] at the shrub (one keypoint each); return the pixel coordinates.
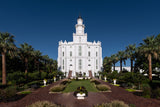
(115, 103)
(35, 84)
(7, 93)
(16, 78)
(33, 76)
(43, 75)
(146, 90)
(156, 93)
(103, 87)
(64, 82)
(43, 104)
(57, 88)
(95, 81)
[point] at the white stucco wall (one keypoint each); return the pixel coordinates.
(80, 39)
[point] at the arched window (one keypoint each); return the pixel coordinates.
(96, 53)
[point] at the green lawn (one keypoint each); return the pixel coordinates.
(86, 83)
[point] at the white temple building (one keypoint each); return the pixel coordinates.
(79, 57)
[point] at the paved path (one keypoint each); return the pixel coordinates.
(93, 98)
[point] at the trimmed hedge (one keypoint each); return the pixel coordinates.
(43, 104)
(115, 103)
(103, 87)
(57, 88)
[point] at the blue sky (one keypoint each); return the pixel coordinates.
(116, 23)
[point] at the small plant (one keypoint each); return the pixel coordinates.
(115, 103)
(103, 87)
(81, 90)
(57, 88)
(43, 104)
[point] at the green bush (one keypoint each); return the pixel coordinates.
(95, 81)
(43, 104)
(7, 93)
(43, 75)
(156, 93)
(64, 82)
(57, 88)
(103, 87)
(115, 103)
(16, 77)
(33, 76)
(35, 84)
(146, 90)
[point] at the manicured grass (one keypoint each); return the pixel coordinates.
(130, 90)
(86, 83)
(25, 92)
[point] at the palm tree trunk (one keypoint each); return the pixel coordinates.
(26, 65)
(131, 65)
(150, 66)
(113, 66)
(120, 65)
(4, 68)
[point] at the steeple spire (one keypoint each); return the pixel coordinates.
(80, 26)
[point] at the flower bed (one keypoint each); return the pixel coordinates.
(81, 91)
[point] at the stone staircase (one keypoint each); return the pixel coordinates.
(70, 74)
(90, 74)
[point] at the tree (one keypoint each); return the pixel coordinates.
(6, 46)
(46, 60)
(130, 51)
(149, 48)
(122, 57)
(107, 64)
(25, 52)
(114, 60)
(37, 56)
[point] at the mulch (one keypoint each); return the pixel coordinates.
(68, 100)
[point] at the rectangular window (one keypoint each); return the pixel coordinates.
(96, 64)
(63, 53)
(70, 53)
(80, 51)
(63, 64)
(80, 64)
(89, 54)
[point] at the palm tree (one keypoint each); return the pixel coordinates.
(122, 57)
(6, 45)
(149, 48)
(37, 56)
(25, 52)
(130, 51)
(46, 60)
(114, 59)
(107, 64)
